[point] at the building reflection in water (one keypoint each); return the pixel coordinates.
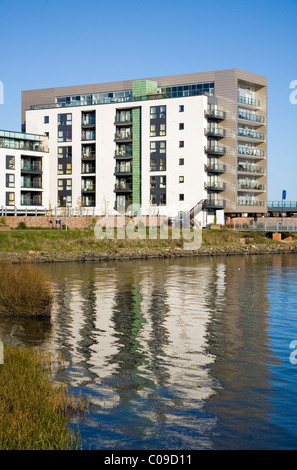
(174, 350)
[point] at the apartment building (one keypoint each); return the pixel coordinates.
(24, 173)
(160, 143)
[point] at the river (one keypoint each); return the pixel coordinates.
(190, 353)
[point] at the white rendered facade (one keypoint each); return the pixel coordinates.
(24, 173)
(184, 138)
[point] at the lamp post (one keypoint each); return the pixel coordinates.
(65, 199)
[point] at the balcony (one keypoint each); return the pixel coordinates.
(123, 137)
(250, 134)
(123, 153)
(250, 151)
(88, 155)
(251, 187)
(88, 188)
(34, 167)
(124, 171)
(123, 187)
(215, 186)
(215, 150)
(88, 135)
(215, 132)
(215, 114)
(215, 168)
(214, 204)
(88, 121)
(123, 120)
(31, 184)
(31, 201)
(250, 117)
(250, 202)
(260, 170)
(250, 101)
(86, 169)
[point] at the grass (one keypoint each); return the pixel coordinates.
(24, 291)
(17, 241)
(33, 410)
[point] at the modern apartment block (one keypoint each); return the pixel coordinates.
(24, 173)
(162, 143)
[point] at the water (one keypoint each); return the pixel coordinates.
(176, 354)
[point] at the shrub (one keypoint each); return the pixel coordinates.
(24, 291)
(21, 226)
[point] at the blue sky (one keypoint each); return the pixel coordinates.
(49, 43)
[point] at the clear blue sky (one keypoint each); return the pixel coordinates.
(49, 43)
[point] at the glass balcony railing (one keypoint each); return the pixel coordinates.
(251, 186)
(214, 204)
(215, 131)
(123, 187)
(250, 133)
(215, 186)
(123, 136)
(123, 153)
(88, 169)
(215, 167)
(88, 188)
(28, 201)
(88, 121)
(250, 116)
(123, 169)
(215, 114)
(123, 119)
(35, 166)
(251, 168)
(247, 100)
(250, 202)
(31, 184)
(250, 151)
(90, 155)
(216, 149)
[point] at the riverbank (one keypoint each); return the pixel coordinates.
(33, 410)
(48, 246)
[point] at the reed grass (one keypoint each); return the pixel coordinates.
(33, 410)
(24, 291)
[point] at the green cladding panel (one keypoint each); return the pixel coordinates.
(136, 155)
(141, 88)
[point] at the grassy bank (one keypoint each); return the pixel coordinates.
(16, 241)
(33, 411)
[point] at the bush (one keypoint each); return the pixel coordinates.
(22, 226)
(24, 291)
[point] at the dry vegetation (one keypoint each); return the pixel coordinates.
(33, 410)
(24, 291)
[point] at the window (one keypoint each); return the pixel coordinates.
(153, 182)
(162, 164)
(60, 184)
(46, 119)
(153, 164)
(46, 134)
(163, 199)
(60, 168)
(153, 130)
(181, 197)
(181, 179)
(162, 129)
(181, 161)
(69, 169)
(181, 126)
(181, 108)
(181, 143)
(163, 147)
(10, 199)
(10, 181)
(153, 114)
(162, 181)
(69, 185)
(60, 152)
(60, 136)
(10, 162)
